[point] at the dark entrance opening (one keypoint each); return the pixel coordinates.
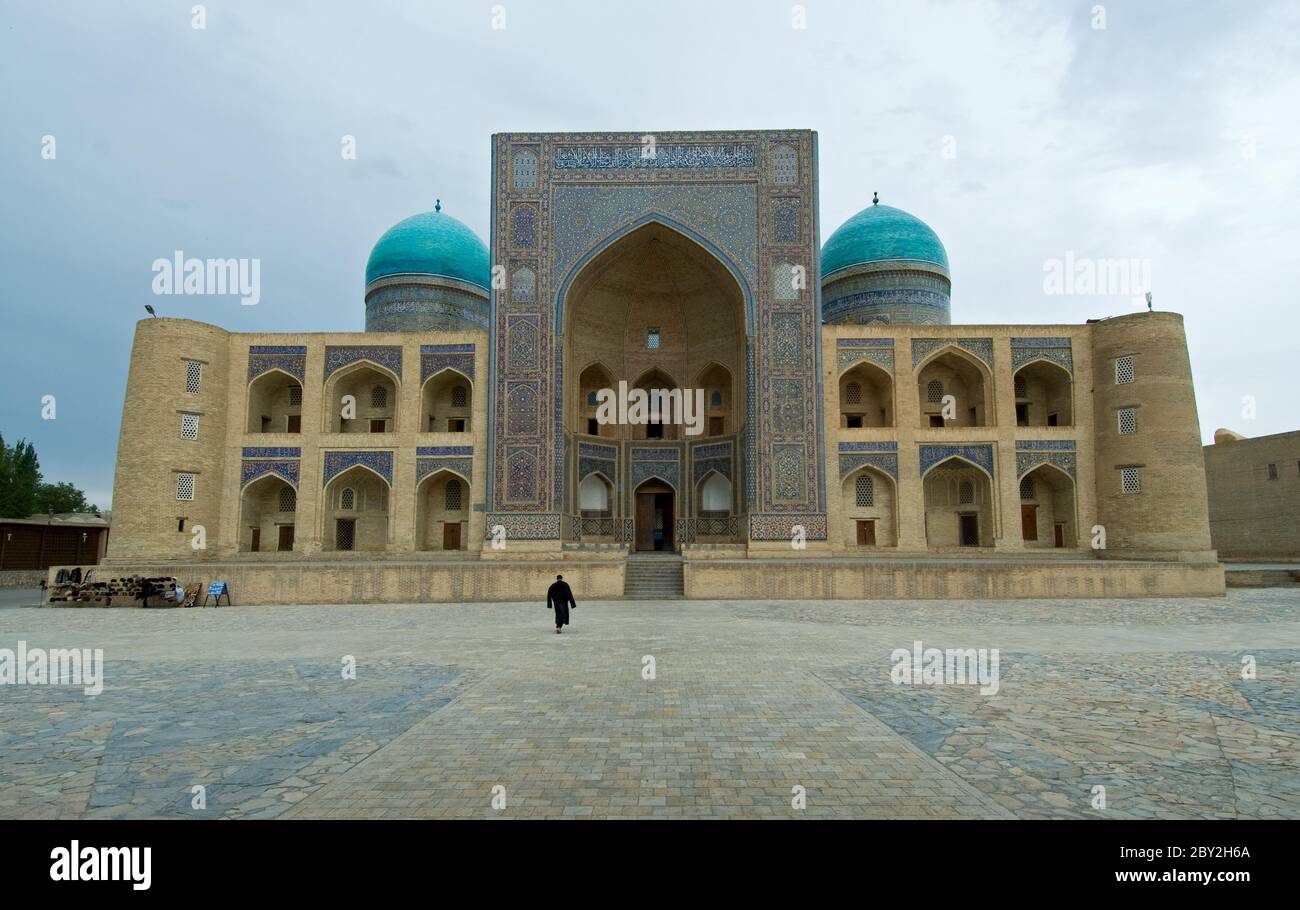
(970, 530)
(655, 517)
(345, 533)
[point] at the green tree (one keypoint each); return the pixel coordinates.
(57, 498)
(20, 476)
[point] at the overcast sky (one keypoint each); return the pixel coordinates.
(1020, 132)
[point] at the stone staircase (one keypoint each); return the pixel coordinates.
(653, 576)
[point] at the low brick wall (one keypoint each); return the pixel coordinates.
(21, 578)
(831, 579)
(312, 582)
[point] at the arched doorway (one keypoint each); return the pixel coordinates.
(360, 398)
(958, 505)
(866, 397)
(275, 403)
(658, 311)
(446, 403)
(655, 517)
(953, 373)
(355, 512)
(1047, 518)
(1043, 395)
(268, 510)
(867, 497)
(442, 512)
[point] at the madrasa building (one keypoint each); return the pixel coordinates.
(854, 442)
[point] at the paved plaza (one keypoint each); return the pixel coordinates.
(749, 702)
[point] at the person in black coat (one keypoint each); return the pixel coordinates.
(559, 597)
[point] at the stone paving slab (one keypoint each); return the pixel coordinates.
(748, 700)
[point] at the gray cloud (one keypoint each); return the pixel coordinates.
(1128, 141)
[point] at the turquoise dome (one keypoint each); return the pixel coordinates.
(881, 233)
(431, 243)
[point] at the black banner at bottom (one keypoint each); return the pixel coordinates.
(336, 858)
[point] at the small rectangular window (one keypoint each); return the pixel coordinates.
(1272, 472)
(1130, 480)
(184, 487)
(180, 525)
(189, 426)
(456, 425)
(716, 425)
(853, 421)
(193, 376)
(1128, 421)
(593, 426)
(377, 425)
(652, 339)
(293, 424)
(936, 420)
(1124, 370)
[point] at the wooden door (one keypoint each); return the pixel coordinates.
(1029, 522)
(645, 521)
(1058, 533)
(451, 535)
(257, 540)
(866, 533)
(286, 538)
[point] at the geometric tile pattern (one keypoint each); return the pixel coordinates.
(290, 358)
(980, 347)
(849, 351)
(387, 356)
(435, 357)
(980, 455)
(337, 462)
(1056, 350)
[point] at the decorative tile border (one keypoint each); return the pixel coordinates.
(669, 157)
(426, 466)
(437, 357)
(274, 452)
(868, 447)
(387, 356)
(1027, 461)
(524, 525)
(775, 526)
(849, 351)
(290, 358)
(443, 451)
(252, 470)
(980, 347)
(1056, 350)
(1046, 445)
(981, 455)
(338, 462)
(885, 462)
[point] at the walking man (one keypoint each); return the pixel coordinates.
(559, 597)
